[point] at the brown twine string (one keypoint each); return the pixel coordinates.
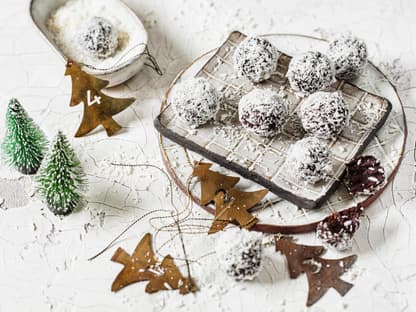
(153, 63)
(122, 233)
(176, 216)
(180, 225)
(184, 250)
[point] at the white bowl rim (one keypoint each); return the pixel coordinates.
(90, 68)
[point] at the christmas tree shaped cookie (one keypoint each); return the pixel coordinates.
(99, 108)
(61, 180)
(25, 144)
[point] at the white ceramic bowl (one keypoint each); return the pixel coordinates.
(40, 12)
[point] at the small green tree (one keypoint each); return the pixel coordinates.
(25, 144)
(61, 180)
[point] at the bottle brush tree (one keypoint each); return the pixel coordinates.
(24, 145)
(61, 180)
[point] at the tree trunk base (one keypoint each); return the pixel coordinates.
(28, 171)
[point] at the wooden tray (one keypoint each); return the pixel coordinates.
(225, 142)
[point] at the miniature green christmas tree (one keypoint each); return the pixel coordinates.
(61, 180)
(25, 144)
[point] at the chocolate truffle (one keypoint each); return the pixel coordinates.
(263, 112)
(309, 160)
(255, 59)
(324, 114)
(239, 252)
(310, 72)
(195, 101)
(349, 56)
(337, 230)
(99, 38)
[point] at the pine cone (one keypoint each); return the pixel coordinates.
(364, 175)
(338, 229)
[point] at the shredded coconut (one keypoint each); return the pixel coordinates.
(309, 160)
(263, 112)
(349, 55)
(240, 253)
(324, 114)
(99, 37)
(369, 112)
(255, 59)
(231, 133)
(397, 73)
(195, 101)
(310, 72)
(66, 25)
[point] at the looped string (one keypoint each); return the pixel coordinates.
(121, 62)
(153, 63)
(176, 215)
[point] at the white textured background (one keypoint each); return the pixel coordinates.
(43, 264)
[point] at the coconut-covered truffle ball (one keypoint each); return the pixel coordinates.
(324, 114)
(255, 59)
(349, 56)
(240, 253)
(263, 112)
(309, 160)
(195, 101)
(310, 72)
(99, 38)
